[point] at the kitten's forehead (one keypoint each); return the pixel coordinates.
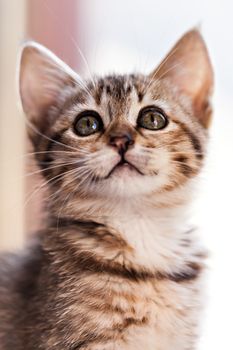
(120, 96)
(119, 87)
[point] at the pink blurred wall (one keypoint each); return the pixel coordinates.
(56, 25)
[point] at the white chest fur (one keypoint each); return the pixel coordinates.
(155, 237)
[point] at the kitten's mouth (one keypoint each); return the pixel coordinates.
(123, 165)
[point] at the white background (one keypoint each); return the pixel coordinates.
(124, 36)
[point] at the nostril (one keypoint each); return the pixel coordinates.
(121, 142)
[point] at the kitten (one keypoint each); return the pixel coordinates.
(118, 267)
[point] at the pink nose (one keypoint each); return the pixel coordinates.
(121, 142)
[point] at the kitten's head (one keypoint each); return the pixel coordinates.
(118, 136)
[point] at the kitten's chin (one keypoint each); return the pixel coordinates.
(127, 182)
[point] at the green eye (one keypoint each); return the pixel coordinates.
(88, 123)
(151, 118)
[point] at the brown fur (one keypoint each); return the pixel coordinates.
(116, 267)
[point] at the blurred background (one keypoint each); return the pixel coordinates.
(124, 36)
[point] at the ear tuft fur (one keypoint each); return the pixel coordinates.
(187, 66)
(42, 78)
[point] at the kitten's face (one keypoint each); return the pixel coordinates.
(125, 137)
(118, 136)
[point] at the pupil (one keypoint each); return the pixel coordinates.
(88, 123)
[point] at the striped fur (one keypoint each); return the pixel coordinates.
(118, 267)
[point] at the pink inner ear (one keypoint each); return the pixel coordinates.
(188, 68)
(42, 78)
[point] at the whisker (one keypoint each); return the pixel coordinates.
(156, 72)
(183, 162)
(160, 77)
(32, 127)
(67, 198)
(31, 154)
(172, 68)
(187, 153)
(84, 60)
(61, 189)
(55, 194)
(52, 167)
(70, 36)
(147, 150)
(44, 184)
(79, 149)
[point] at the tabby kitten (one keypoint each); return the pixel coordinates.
(118, 267)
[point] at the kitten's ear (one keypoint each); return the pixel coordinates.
(42, 78)
(188, 68)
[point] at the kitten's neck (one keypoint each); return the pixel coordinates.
(158, 235)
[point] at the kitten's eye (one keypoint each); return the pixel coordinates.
(151, 118)
(87, 123)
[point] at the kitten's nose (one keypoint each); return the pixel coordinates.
(121, 142)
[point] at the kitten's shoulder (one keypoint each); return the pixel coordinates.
(19, 271)
(19, 274)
